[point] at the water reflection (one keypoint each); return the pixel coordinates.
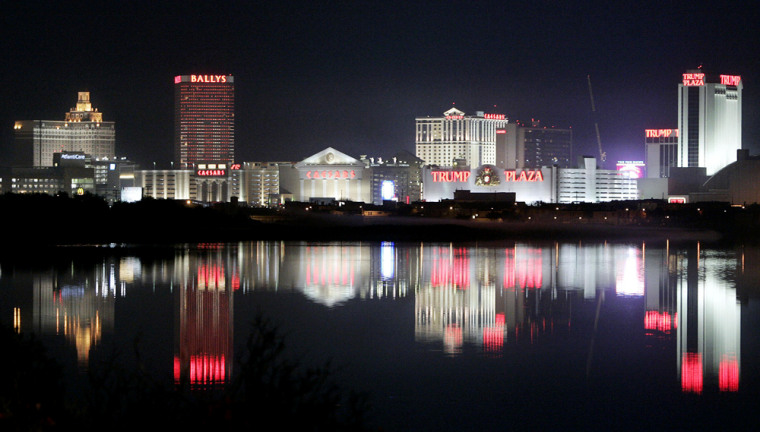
(465, 296)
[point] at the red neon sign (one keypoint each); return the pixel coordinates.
(450, 176)
(693, 79)
(732, 80)
(456, 117)
(495, 116)
(235, 166)
(211, 173)
(336, 174)
(677, 200)
(207, 78)
(501, 131)
(524, 176)
(661, 133)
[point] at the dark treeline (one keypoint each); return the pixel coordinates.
(268, 391)
(62, 220)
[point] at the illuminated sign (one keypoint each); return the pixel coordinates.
(450, 176)
(387, 190)
(495, 116)
(693, 79)
(211, 173)
(677, 200)
(455, 117)
(631, 169)
(202, 79)
(732, 80)
(331, 174)
(524, 176)
(501, 131)
(208, 78)
(660, 133)
(72, 156)
(235, 166)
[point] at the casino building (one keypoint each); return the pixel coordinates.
(455, 136)
(83, 130)
(709, 120)
(204, 120)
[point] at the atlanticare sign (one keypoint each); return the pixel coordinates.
(509, 176)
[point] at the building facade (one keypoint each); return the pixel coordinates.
(328, 174)
(455, 136)
(660, 151)
(204, 120)
(83, 130)
(521, 145)
(709, 120)
(397, 179)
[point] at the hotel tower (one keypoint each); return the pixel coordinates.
(709, 120)
(204, 120)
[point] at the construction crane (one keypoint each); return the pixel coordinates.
(602, 154)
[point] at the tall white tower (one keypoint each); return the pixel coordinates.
(709, 120)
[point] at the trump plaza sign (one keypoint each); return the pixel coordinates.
(511, 176)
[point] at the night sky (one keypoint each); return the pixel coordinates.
(354, 75)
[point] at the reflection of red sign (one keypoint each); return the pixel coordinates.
(732, 80)
(450, 176)
(211, 173)
(661, 133)
(331, 174)
(524, 176)
(693, 79)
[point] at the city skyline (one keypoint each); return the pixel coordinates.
(354, 77)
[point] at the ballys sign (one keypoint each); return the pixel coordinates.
(208, 78)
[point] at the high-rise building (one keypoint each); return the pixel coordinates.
(83, 130)
(204, 120)
(521, 145)
(661, 151)
(709, 120)
(455, 136)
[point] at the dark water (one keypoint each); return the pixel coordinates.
(507, 336)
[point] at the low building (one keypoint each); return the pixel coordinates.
(327, 174)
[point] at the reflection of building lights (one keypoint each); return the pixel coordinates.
(728, 373)
(691, 372)
(450, 269)
(493, 337)
(387, 260)
(660, 321)
(630, 281)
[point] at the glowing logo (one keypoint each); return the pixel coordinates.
(732, 80)
(495, 116)
(450, 176)
(211, 173)
(693, 79)
(336, 174)
(208, 78)
(524, 176)
(661, 133)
